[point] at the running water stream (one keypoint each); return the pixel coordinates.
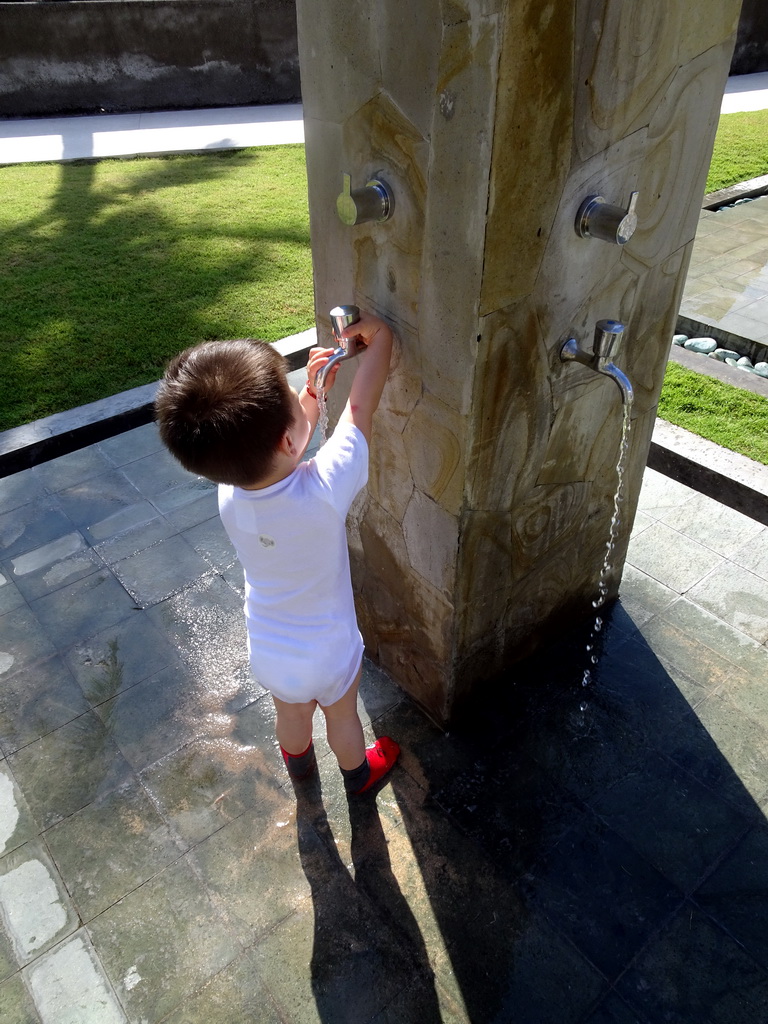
(602, 586)
(322, 405)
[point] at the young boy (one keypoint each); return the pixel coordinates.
(225, 411)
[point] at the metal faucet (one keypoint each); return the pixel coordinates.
(347, 348)
(607, 335)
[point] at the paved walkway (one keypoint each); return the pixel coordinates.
(590, 854)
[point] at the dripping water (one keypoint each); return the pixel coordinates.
(322, 405)
(605, 571)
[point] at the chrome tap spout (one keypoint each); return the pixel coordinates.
(347, 348)
(339, 355)
(625, 387)
(607, 334)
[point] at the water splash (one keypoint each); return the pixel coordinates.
(605, 571)
(322, 405)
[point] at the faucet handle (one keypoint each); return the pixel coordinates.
(607, 335)
(598, 219)
(341, 317)
(373, 202)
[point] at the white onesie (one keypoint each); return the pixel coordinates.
(303, 640)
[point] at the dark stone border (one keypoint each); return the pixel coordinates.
(728, 478)
(65, 432)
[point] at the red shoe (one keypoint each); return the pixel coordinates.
(381, 758)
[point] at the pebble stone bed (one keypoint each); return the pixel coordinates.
(709, 347)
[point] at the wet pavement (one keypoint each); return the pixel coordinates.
(571, 854)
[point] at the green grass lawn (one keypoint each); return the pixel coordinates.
(741, 149)
(110, 267)
(735, 419)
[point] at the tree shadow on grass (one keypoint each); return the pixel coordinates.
(131, 261)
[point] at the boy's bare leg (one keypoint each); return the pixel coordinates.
(345, 731)
(294, 725)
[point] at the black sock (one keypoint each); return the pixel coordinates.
(300, 765)
(356, 778)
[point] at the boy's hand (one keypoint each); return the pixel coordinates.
(365, 329)
(318, 357)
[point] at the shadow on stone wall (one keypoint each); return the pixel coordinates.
(751, 52)
(79, 57)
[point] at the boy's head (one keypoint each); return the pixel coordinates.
(223, 407)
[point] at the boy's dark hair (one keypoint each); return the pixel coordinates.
(223, 407)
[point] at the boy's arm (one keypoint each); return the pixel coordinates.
(372, 371)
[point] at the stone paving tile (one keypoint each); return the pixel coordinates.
(97, 498)
(672, 558)
(17, 826)
(68, 769)
(69, 984)
(724, 533)
(111, 847)
(53, 566)
(24, 641)
(736, 596)
(600, 892)
(119, 657)
(34, 905)
(659, 494)
(705, 628)
(236, 995)
(10, 595)
(15, 1002)
(157, 715)
(134, 539)
(200, 510)
(80, 610)
(132, 445)
(20, 489)
(152, 575)
(740, 740)
(31, 526)
(736, 894)
(682, 835)
(160, 478)
(211, 542)
(208, 783)
(162, 942)
(37, 700)
(71, 469)
(726, 986)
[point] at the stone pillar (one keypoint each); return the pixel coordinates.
(493, 464)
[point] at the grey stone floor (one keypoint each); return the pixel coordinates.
(579, 854)
(727, 283)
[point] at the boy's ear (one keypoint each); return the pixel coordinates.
(287, 445)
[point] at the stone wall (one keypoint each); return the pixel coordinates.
(751, 52)
(87, 56)
(494, 464)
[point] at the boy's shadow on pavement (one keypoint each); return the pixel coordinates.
(368, 952)
(574, 854)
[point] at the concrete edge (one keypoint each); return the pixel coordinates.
(742, 190)
(716, 472)
(42, 440)
(720, 371)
